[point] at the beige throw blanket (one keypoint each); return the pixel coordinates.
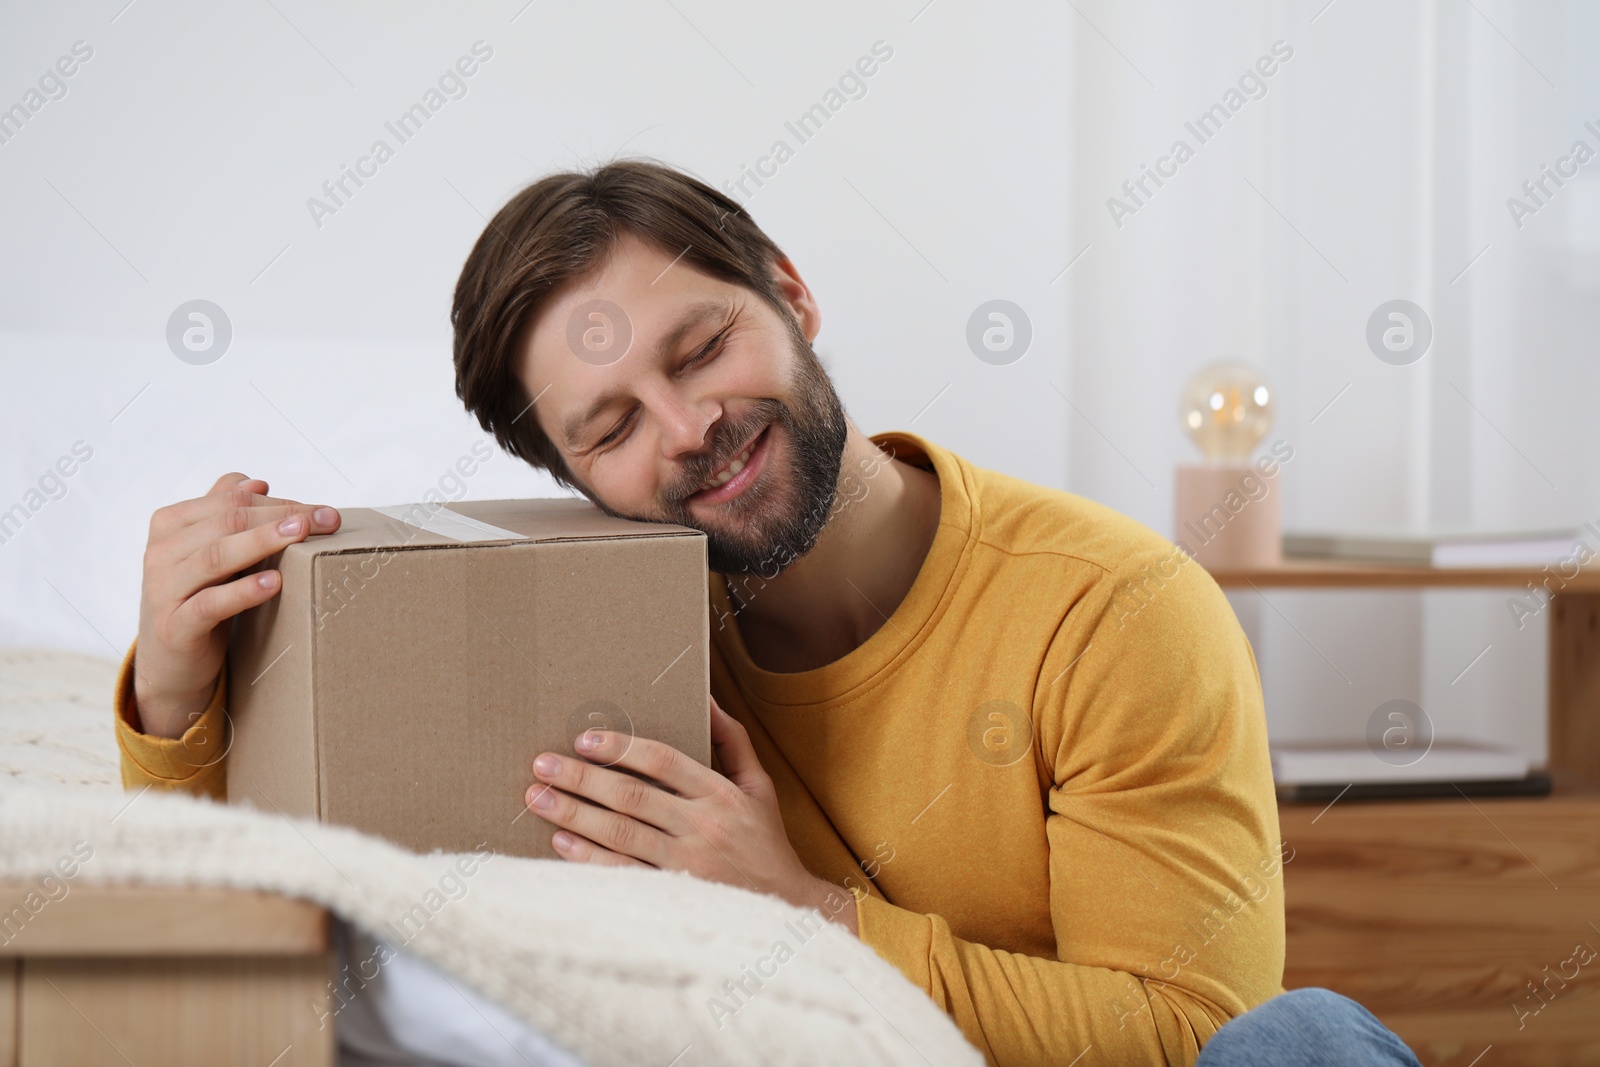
(619, 966)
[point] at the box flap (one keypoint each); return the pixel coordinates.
(418, 525)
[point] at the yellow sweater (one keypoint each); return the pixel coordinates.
(1044, 778)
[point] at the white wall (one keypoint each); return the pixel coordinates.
(977, 166)
(1376, 166)
(179, 163)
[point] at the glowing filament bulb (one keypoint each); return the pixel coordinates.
(1226, 408)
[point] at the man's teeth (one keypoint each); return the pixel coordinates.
(721, 478)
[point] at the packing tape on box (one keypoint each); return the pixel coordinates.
(447, 523)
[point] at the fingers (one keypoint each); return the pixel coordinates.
(227, 481)
(199, 549)
(174, 517)
(621, 834)
(613, 790)
(242, 537)
(735, 753)
(653, 759)
(581, 850)
(232, 490)
(235, 480)
(201, 613)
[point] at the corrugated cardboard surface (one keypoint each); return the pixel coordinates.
(402, 682)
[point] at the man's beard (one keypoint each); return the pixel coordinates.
(771, 524)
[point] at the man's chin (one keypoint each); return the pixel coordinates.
(730, 553)
(778, 546)
(755, 544)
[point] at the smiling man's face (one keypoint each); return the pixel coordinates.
(716, 416)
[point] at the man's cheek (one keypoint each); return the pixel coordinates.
(618, 482)
(750, 371)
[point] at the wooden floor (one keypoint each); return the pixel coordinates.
(1463, 925)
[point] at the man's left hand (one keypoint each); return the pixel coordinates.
(722, 829)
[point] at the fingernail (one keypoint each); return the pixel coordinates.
(546, 766)
(325, 517)
(267, 579)
(292, 526)
(589, 740)
(562, 840)
(542, 799)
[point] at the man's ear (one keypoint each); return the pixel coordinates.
(795, 292)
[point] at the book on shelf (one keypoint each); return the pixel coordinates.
(1326, 770)
(1504, 549)
(1342, 763)
(1536, 783)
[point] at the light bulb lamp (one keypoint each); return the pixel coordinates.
(1226, 511)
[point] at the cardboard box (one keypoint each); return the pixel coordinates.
(417, 660)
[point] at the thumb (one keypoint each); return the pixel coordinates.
(734, 751)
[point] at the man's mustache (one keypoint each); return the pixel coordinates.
(728, 440)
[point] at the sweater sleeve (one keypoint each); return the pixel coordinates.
(1166, 891)
(194, 762)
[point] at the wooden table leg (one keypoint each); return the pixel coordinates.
(1575, 685)
(8, 1013)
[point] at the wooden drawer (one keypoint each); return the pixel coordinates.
(169, 976)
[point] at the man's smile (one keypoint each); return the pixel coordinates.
(737, 474)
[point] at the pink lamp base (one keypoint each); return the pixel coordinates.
(1228, 518)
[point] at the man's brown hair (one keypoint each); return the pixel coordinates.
(559, 228)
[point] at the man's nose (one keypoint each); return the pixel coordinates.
(686, 422)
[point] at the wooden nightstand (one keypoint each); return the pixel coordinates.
(156, 975)
(1462, 923)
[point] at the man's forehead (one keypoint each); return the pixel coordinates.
(647, 286)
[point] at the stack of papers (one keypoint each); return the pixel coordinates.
(1340, 764)
(1524, 549)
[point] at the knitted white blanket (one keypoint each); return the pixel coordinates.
(619, 966)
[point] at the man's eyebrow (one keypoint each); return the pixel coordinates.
(696, 314)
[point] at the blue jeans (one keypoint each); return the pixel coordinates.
(1306, 1028)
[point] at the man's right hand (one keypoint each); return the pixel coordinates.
(193, 588)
